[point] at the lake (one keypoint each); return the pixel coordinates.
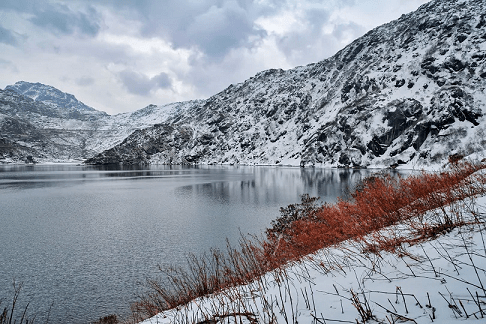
(85, 238)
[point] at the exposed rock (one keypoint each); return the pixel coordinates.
(58, 127)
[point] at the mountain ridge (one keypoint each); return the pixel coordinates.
(65, 104)
(409, 92)
(47, 131)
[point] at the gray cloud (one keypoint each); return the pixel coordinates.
(213, 26)
(140, 84)
(343, 30)
(312, 44)
(60, 18)
(8, 65)
(7, 37)
(17, 5)
(343, 3)
(204, 45)
(57, 17)
(317, 17)
(84, 81)
(220, 29)
(162, 81)
(298, 40)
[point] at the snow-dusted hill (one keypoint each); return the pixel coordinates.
(41, 121)
(410, 92)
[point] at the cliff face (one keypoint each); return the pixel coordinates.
(412, 91)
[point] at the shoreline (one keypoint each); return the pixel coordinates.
(397, 241)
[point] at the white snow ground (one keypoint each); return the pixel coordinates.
(438, 281)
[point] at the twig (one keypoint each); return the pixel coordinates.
(433, 268)
(474, 300)
(403, 297)
(472, 262)
(460, 303)
(396, 314)
(328, 319)
(450, 258)
(392, 305)
(453, 307)
(479, 304)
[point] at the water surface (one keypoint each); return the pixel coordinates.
(86, 238)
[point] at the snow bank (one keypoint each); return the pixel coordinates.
(438, 281)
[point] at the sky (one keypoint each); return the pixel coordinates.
(120, 55)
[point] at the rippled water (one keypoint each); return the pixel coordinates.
(84, 239)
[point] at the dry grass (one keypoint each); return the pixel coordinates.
(377, 203)
(11, 314)
(204, 275)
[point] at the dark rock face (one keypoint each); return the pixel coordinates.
(13, 104)
(402, 119)
(411, 92)
(143, 144)
(16, 111)
(14, 152)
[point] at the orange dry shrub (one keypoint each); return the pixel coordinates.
(378, 202)
(203, 275)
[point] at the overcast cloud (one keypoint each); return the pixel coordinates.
(120, 56)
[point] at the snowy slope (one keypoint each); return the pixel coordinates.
(410, 92)
(111, 130)
(437, 281)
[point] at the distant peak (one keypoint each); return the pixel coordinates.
(49, 95)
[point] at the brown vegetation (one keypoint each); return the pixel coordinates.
(378, 202)
(11, 314)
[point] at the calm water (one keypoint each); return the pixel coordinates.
(84, 239)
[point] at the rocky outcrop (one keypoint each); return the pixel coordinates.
(12, 152)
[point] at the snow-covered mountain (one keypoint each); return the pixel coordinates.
(411, 92)
(43, 122)
(65, 104)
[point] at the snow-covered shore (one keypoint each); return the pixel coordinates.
(441, 280)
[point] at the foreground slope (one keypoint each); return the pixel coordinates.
(438, 281)
(398, 250)
(410, 92)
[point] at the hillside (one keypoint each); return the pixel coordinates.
(398, 250)
(410, 92)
